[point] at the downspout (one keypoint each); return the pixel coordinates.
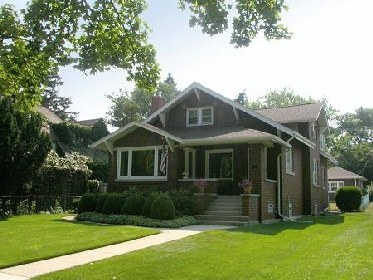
(279, 182)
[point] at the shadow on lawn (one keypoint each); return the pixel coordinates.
(88, 223)
(301, 224)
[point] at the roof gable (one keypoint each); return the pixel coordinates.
(196, 88)
(335, 173)
(310, 112)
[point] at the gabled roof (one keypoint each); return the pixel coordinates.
(209, 136)
(339, 173)
(310, 112)
(48, 114)
(107, 141)
(196, 87)
(89, 123)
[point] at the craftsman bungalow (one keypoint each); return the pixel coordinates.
(203, 135)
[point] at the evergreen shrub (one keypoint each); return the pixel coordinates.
(163, 208)
(113, 203)
(87, 203)
(348, 198)
(101, 199)
(133, 205)
(147, 207)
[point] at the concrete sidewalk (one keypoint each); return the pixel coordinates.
(27, 271)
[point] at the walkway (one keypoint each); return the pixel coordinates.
(27, 271)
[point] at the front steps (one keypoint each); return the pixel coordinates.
(224, 210)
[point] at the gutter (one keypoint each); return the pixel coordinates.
(283, 217)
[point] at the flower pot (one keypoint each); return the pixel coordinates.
(247, 189)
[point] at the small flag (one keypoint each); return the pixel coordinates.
(164, 157)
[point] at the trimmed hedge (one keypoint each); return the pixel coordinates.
(87, 203)
(147, 207)
(133, 205)
(101, 199)
(136, 220)
(163, 208)
(348, 199)
(113, 204)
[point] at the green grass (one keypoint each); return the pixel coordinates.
(331, 247)
(26, 239)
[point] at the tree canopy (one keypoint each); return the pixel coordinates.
(99, 35)
(90, 36)
(136, 106)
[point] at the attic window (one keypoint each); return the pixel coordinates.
(199, 116)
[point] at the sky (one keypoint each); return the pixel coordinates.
(329, 55)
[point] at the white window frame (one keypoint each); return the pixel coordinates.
(199, 111)
(337, 184)
(130, 150)
(315, 172)
(207, 161)
(187, 159)
(289, 158)
(322, 141)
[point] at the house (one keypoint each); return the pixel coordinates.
(203, 135)
(339, 177)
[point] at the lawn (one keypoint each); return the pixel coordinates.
(29, 238)
(331, 247)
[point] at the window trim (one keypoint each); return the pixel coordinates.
(289, 162)
(207, 161)
(199, 116)
(315, 173)
(130, 150)
(339, 184)
(187, 159)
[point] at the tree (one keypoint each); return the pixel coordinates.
(136, 106)
(91, 37)
(57, 104)
(279, 98)
(99, 130)
(101, 34)
(249, 18)
(242, 98)
(23, 147)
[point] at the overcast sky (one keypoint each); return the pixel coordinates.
(329, 55)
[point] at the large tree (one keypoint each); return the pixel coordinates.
(100, 34)
(56, 103)
(90, 35)
(136, 106)
(23, 147)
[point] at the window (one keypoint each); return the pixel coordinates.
(200, 116)
(333, 186)
(189, 163)
(290, 162)
(315, 173)
(271, 154)
(322, 142)
(219, 164)
(142, 163)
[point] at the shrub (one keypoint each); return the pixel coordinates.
(113, 204)
(136, 220)
(101, 199)
(184, 201)
(93, 185)
(133, 205)
(147, 207)
(163, 208)
(348, 199)
(87, 203)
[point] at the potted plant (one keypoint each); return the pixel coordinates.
(246, 186)
(200, 185)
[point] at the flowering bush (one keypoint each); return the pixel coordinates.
(200, 183)
(245, 183)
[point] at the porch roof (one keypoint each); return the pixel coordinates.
(225, 135)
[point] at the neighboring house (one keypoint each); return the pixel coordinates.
(339, 177)
(203, 135)
(88, 123)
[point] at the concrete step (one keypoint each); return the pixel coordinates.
(223, 223)
(227, 204)
(222, 218)
(223, 213)
(225, 208)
